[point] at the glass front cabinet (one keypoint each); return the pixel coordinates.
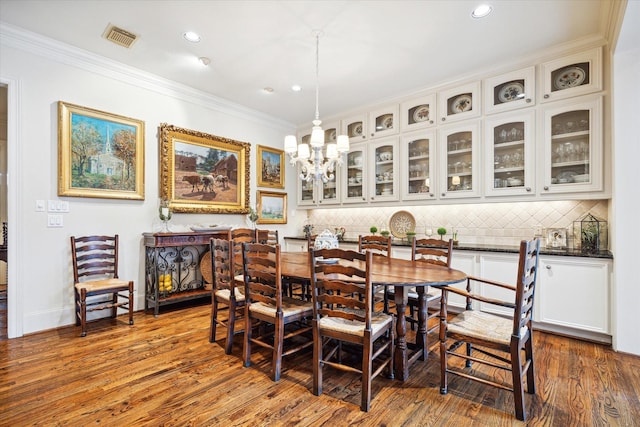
(573, 146)
(384, 122)
(459, 154)
(384, 177)
(510, 154)
(418, 157)
(354, 188)
(355, 127)
(573, 75)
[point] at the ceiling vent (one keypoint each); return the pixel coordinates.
(119, 36)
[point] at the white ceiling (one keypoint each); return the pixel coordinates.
(370, 50)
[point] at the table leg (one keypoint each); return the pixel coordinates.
(421, 335)
(401, 363)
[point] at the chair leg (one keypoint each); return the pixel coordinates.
(77, 298)
(528, 351)
(469, 351)
(83, 312)
(278, 345)
(367, 351)
(114, 307)
(231, 324)
(246, 356)
(443, 365)
(214, 319)
(516, 374)
(317, 361)
(130, 303)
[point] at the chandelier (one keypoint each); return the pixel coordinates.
(315, 164)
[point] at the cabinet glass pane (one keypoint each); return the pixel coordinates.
(509, 155)
(419, 173)
(355, 182)
(306, 190)
(459, 161)
(384, 170)
(570, 147)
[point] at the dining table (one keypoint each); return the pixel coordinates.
(403, 275)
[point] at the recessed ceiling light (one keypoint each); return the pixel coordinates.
(204, 60)
(481, 11)
(296, 88)
(191, 36)
(268, 89)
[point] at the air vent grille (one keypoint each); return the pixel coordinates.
(119, 36)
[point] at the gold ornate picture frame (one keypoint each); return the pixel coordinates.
(272, 207)
(100, 154)
(203, 173)
(270, 170)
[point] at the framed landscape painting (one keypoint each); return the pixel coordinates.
(203, 173)
(100, 154)
(270, 167)
(272, 207)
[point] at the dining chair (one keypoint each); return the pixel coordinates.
(240, 236)
(343, 312)
(502, 343)
(95, 273)
(266, 305)
(224, 292)
(379, 246)
(430, 251)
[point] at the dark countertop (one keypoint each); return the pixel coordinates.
(484, 247)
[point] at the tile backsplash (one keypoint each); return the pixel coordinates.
(494, 223)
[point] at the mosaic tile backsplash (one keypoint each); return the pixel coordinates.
(487, 223)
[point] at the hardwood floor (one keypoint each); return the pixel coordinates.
(163, 371)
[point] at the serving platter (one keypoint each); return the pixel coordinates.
(401, 222)
(570, 77)
(511, 91)
(461, 103)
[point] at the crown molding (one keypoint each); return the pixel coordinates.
(54, 50)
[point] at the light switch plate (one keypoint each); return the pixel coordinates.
(39, 205)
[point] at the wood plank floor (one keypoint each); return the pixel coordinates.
(163, 371)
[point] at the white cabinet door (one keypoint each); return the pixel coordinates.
(418, 165)
(574, 293)
(510, 154)
(466, 262)
(418, 113)
(384, 122)
(572, 75)
(510, 91)
(354, 181)
(355, 127)
(459, 103)
(384, 177)
(573, 146)
(501, 268)
(459, 160)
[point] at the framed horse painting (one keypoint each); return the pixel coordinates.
(203, 173)
(270, 167)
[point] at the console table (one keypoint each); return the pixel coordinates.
(178, 256)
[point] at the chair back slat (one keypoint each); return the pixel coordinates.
(432, 251)
(342, 288)
(267, 237)
(262, 274)
(94, 256)
(222, 273)
(378, 245)
(525, 287)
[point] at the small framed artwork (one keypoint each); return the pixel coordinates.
(270, 167)
(203, 173)
(557, 238)
(100, 154)
(272, 207)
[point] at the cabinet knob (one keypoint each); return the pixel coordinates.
(444, 118)
(430, 122)
(546, 96)
(528, 100)
(546, 187)
(430, 194)
(548, 267)
(528, 189)
(444, 194)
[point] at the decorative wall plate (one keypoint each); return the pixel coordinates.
(511, 91)
(570, 77)
(421, 113)
(461, 103)
(400, 223)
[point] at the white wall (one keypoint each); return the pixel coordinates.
(45, 74)
(626, 104)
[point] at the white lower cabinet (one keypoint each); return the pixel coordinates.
(500, 268)
(464, 261)
(574, 293)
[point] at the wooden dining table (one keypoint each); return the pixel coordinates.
(402, 274)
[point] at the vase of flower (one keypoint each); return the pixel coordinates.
(164, 212)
